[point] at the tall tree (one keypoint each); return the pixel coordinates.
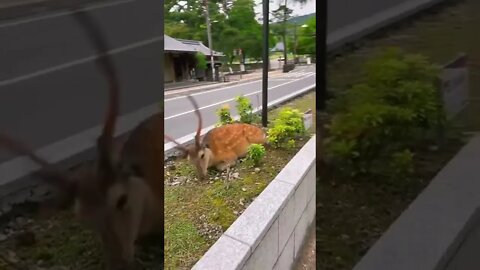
(233, 24)
(282, 14)
(307, 37)
(242, 30)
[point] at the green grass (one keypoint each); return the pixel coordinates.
(192, 209)
(355, 213)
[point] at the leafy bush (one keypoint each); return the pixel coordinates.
(255, 153)
(286, 127)
(224, 115)
(245, 110)
(201, 61)
(395, 108)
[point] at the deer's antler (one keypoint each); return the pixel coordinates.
(48, 173)
(179, 145)
(104, 63)
(199, 129)
(199, 116)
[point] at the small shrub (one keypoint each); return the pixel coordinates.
(224, 115)
(201, 61)
(402, 163)
(287, 126)
(291, 143)
(245, 110)
(394, 109)
(255, 153)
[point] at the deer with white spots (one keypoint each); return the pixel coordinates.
(120, 198)
(221, 147)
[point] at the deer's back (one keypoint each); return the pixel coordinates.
(233, 139)
(143, 150)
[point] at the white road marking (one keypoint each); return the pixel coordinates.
(209, 91)
(231, 99)
(304, 74)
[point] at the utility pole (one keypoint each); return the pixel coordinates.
(321, 66)
(285, 32)
(266, 63)
(321, 88)
(209, 36)
(295, 42)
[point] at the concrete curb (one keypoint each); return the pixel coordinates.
(361, 28)
(169, 149)
(432, 229)
(271, 231)
(15, 174)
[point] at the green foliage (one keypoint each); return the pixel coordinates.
(394, 109)
(287, 126)
(201, 61)
(245, 110)
(306, 43)
(401, 164)
(224, 115)
(233, 24)
(255, 153)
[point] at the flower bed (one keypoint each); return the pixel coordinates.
(197, 213)
(356, 213)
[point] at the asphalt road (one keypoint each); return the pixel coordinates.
(50, 88)
(180, 119)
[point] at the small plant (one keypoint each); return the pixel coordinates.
(245, 110)
(402, 163)
(287, 126)
(224, 115)
(291, 143)
(255, 153)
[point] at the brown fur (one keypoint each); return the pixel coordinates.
(221, 146)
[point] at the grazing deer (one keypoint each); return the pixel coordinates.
(120, 199)
(221, 146)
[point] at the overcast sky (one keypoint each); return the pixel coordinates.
(298, 9)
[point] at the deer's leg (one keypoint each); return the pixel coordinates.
(222, 166)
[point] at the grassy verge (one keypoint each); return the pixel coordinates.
(355, 213)
(196, 213)
(61, 243)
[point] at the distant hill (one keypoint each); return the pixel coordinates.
(299, 19)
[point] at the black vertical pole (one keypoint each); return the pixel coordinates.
(266, 62)
(285, 34)
(321, 62)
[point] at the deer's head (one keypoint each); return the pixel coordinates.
(197, 153)
(105, 196)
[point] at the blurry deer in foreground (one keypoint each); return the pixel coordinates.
(121, 199)
(221, 146)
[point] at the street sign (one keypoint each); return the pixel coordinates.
(308, 119)
(454, 86)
